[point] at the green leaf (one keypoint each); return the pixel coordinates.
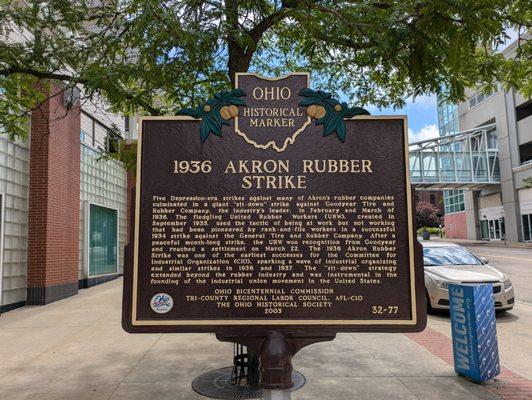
(213, 125)
(329, 112)
(216, 114)
(331, 126)
(351, 112)
(204, 131)
(191, 112)
(340, 130)
(237, 93)
(309, 100)
(306, 92)
(236, 101)
(212, 103)
(324, 95)
(379, 52)
(330, 101)
(219, 118)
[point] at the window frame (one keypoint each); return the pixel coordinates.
(450, 205)
(529, 161)
(96, 129)
(496, 89)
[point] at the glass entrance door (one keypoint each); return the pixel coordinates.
(103, 244)
(496, 229)
(484, 229)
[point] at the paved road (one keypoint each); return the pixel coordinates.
(516, 263)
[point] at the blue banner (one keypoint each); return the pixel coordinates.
(474, 332)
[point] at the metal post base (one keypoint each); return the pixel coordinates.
(276, 394)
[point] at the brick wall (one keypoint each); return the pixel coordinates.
(428, 195)
(456, 225)
(131, 182)
(54, 198)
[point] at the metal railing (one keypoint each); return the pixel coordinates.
(468, 159)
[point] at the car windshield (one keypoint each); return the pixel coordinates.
(455, 255)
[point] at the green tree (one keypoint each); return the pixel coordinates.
(157, 56)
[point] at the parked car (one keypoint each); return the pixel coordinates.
(447, 263)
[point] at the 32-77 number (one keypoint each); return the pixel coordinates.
(381, 310)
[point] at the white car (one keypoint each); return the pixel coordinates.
(451, 263)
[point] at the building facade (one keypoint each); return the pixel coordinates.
(62, 202)
(62, 205)
(497, 211)
(453, 200)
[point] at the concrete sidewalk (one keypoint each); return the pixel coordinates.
(76, 349)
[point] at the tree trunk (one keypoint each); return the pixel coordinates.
(239, 57)
(238, 61)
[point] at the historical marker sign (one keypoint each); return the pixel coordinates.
(273, 220)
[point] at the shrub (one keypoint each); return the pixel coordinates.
(431, 230)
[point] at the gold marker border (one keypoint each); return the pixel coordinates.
(294, 322)
(289, 140)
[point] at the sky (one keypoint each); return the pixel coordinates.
(422, 117)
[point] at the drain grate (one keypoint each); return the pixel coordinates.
(216, 384)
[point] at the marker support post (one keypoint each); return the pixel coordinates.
(276, 351)
(276, 394)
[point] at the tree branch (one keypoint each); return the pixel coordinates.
(77, 80)
(40, 74)
(258, 31)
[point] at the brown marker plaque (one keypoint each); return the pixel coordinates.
(233, 236)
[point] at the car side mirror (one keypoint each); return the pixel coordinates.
(484, 260)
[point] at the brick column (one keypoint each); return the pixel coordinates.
(54, 202)
(130, 146)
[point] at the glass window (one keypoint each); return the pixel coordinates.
(100, 136)
(103, 244)
(447, 117)
(524, 110)
(451, 255)
(525, 152)
(453, 201)
(527, 227)
(483, 95)
(87, 127)
(491, 137)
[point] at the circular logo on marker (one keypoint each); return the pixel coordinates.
(161, 303)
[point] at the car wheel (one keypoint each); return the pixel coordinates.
(430, 310)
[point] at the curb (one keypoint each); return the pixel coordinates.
(487, 243)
